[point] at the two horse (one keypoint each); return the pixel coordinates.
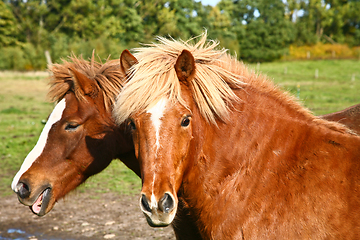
(249, 160)
(81, 138)
(81, 133)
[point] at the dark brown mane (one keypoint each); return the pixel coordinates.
(107, 77)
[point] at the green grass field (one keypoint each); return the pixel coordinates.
(23, 106)
(337, 85)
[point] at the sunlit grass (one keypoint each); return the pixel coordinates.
(336, 87)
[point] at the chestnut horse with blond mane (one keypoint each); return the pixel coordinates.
(81, 138)
(249, 160)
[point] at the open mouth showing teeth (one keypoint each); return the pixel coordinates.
(41, 203)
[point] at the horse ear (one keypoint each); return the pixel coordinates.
(185, 66)
(127, 60)
(84, 83)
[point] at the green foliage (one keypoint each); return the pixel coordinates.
(103, 48)
(59, 45)
(26, 57)
(34, 57)
(267, 37)
(220, 27)
(12, 58)
(8, 29)
(304, 34)
(254, 30)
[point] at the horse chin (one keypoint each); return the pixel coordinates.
(42, 204)
(160, 220)
(153, 223)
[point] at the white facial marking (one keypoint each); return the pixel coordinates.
(152, 188)
(157, 113)
(153, 203)
(55, 116)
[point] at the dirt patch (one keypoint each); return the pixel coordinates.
(79, 216)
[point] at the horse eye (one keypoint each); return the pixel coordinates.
(186, 121)
(71, 126)
(132, 124)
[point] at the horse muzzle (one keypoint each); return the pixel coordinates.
(38, 200)
(159, 213)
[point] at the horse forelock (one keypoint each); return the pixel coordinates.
(154, 77)
(107, 77)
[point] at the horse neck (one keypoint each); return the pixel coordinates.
(125, 149)
(122, 147)
(260, 129)
(117, 142)
(252, 121)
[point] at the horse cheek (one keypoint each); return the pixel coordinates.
(183, 151)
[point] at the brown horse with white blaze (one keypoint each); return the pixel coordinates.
(78, 132)
(81, 138)
(249, 160)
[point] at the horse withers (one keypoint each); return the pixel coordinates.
(248, 159)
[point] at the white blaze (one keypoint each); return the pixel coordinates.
(55, 116)
(157, 113)
(153, 204)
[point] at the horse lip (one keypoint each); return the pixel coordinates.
(159, 222)
(46, 197)
(152, 224)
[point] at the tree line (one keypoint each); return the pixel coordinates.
(256, 30)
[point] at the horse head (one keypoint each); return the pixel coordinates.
(79, 139)
(162, 135)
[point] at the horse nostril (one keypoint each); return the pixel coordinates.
(145, 203)
(23, 190)
(166, 203)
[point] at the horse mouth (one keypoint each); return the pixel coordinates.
(158, 224)
(41, 203)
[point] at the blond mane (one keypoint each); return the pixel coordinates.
(107, 77)
(154, 77)
(216, 75)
